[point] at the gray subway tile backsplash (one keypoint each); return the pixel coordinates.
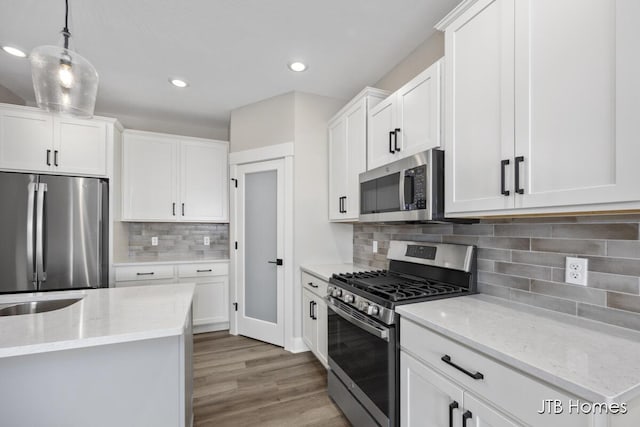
(523, 259)
(178, 240)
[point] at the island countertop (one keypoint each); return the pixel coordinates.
(102, 316)
(589, 359)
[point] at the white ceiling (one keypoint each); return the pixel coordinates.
(232, 52)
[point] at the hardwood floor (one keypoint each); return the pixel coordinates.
(243, 382)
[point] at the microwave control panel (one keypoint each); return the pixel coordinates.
(415, 182)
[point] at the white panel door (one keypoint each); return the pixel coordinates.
(479, 127)
(26, 140)
(418, 112)
(577, 67)
(309, 330)
(338, 165)
(356, 119)
(149, 184)
(204, 181)
(322, 343)
(211, 301)
(477, 414)
(381, 144)
(427, 398)
(80, 146)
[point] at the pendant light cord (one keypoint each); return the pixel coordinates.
(65, 30)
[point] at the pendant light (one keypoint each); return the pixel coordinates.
(63, 81)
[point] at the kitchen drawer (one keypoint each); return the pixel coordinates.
(203, 270)
(144, 272)
(170, 281)
(507, 388)
(313, 284)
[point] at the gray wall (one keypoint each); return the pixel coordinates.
(178, 241)
(523, 260)
(9, 97)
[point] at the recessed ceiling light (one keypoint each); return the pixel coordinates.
(178, 83)
(297, 66)
(14, 51)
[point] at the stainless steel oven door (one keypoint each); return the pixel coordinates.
(363, 355)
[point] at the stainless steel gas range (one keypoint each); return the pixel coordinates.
(364, 335)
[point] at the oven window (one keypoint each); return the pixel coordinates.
(364, 357)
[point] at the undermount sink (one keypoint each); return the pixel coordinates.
(32, 307)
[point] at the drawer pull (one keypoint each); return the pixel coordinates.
(145, 274)
(204, 271)
(453, 405)
(466, 416)
(312, 285)
(447, 359)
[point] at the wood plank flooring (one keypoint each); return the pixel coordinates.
(243, 382)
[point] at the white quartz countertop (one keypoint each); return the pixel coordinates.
(103, 316)
(594, 362)
(325, 271)
(162, 261)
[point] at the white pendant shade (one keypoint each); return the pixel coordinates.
(63, 81)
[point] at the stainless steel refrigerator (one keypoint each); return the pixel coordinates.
(53, 232)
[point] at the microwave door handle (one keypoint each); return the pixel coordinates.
(403, 207)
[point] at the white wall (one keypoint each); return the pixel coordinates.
(263, 123)
(9, 97)
(417, 61)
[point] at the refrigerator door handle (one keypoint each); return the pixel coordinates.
(42, 275)
(30, 208)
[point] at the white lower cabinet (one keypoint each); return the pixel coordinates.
(314, 316)
(469, 389)
(211, 295)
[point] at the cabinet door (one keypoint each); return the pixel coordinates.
(322, 331)
(425, 396)
(418, 112)
(309, 330)
(479, 124)
(203, 181)
(381, 143)
(577, 94)
(481, 415)
(149, 182)
(356, 119)
(338, 165)
(26, 140)
(80, 146)
(210, 301)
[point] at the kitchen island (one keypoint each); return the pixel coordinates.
(118, 356)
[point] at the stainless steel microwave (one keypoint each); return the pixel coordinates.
(411, 189)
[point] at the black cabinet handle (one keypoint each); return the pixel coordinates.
(453, 405)
(447, 359)
(183, 209)
(312, 285)
(313, 316)
(204, 271)
(503, 165)
(145, 274)
(519, 160)
(466, 416)
(55, 157)
(341, 204)
(48, 157)
(395, 138)
(173, 209)
(310, 309)
(391, 142)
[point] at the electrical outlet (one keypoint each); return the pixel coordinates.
(154, 241)
(375, 246)
(207, 241)
(576, 270)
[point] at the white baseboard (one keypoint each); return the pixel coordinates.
(297, 346)
(212, 327)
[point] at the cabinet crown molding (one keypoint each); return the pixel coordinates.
(367, 91)
(454, 14)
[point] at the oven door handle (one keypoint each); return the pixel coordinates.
(378, 332)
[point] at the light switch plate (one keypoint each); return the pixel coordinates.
(576, 270)
(207, 241)
(154, 241)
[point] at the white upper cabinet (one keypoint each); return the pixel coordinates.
(546, 94)
(348, 154)
(173, 178)
(408, 121)
(36, 141)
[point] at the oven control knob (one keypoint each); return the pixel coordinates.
(330, 290)
(362, 306)
(348, 298)
(372, 310)
(336, 293)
